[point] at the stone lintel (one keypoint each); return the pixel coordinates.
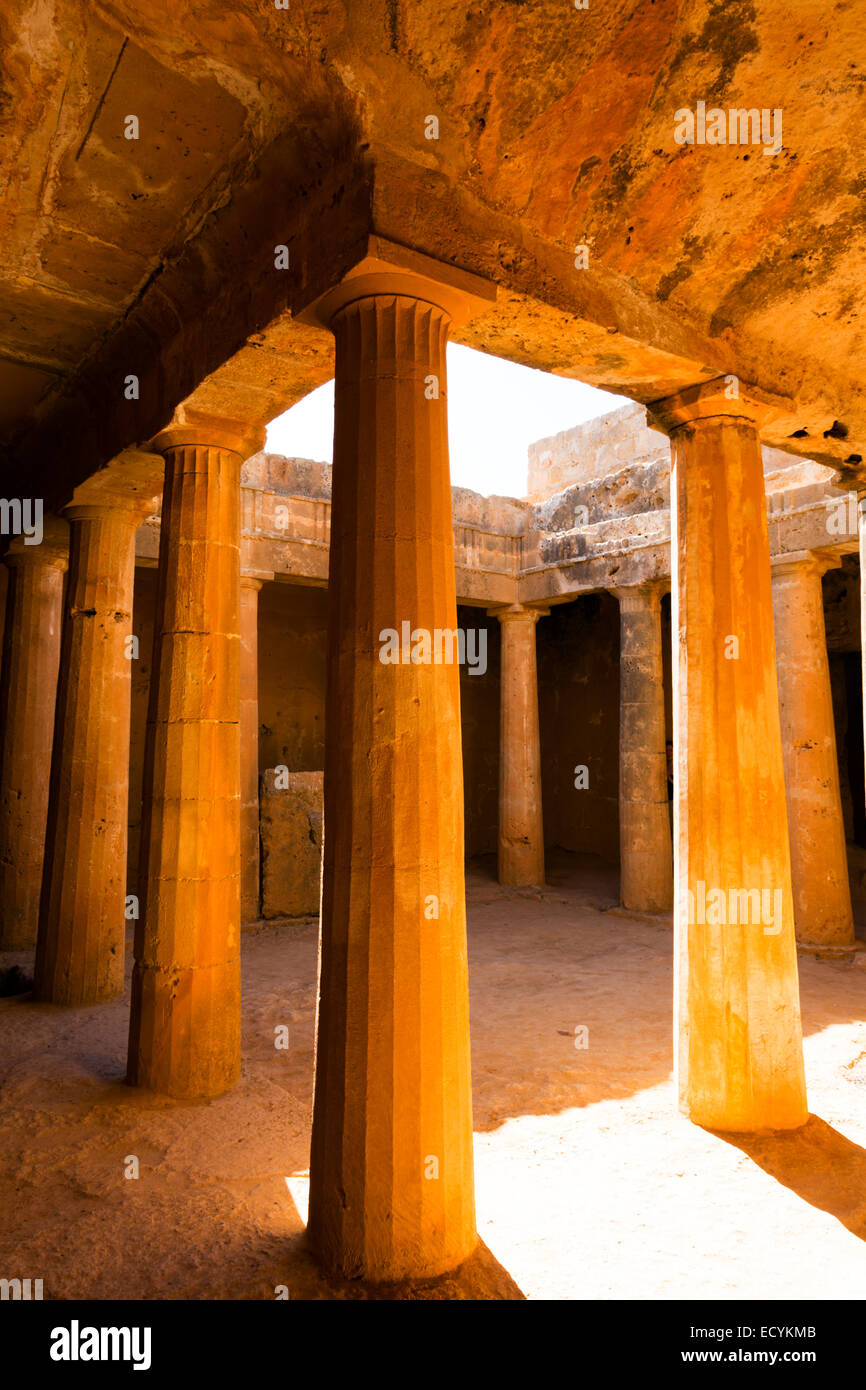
(723, 396)
(385, 267)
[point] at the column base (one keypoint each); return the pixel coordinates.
(822, 951)
(796, 1119)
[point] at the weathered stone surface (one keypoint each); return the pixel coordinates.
(646, 863)
(28, 687)
(82, 917)
(556, 130)
(184, 1036)
(291, 839)
(391, 1166)
(739, 1051)
(521, 829)
(249, 741)
(594, 449)
(819, 866)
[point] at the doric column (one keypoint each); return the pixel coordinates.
(391, 1168)
(739, 1051)
(861, 515)
(819, 859)
(27, 696)
(82, 922)
(646, 860)
(521, 830)
(185, 1022)
(249, 735)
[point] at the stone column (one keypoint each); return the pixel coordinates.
(82, 921)
(646, 858)
(861, 517)
(185, 1021)
(521, 830)
(27, 697)
(391, 1168)
(819, 859)
(249, 735)
(739, 1054)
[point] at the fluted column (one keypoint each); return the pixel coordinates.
(646, 859)
(185, 1025)
(819, 858)
(82, 923)
(861, 515)
(391, 1169)
(249, 735)
(739, 1049)
(521, 829)
(28, 689)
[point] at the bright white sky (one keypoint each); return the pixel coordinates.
(496, 409)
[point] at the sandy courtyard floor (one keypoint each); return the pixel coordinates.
(589, 1185)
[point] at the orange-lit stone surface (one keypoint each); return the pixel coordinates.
(249, 739)
(391, 1180)
(646, 864)
(737, 1025)
(27, 697)
(82, 922)
(185, 1021)
(521, 829)
(819, 862)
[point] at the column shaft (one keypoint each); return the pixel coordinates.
(185, 1018)
(249, 737)
(819, 859)
(646, 860)
(521, 829)
(82, 923)
(739, 1044)
(861, 514)
(28, 692)
(391, 1169)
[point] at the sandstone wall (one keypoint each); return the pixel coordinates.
(291, 823)
(292, 648)
(593, 450)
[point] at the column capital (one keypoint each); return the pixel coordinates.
(251, 581)
(724, 396)
(383, 267)
(635, 597)
(131, 482)
(193, 429)
(53, 549)
(518, 612)
(806, 561)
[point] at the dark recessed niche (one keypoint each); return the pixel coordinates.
(836, 431)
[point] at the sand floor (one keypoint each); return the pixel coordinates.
(589, 1184)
